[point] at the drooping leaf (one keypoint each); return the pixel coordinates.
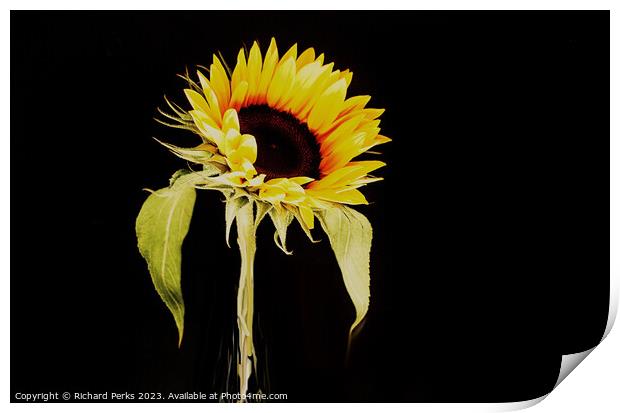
(350, 236)
(262, 208)
(161, 227)
(281, 218)
(233, 203)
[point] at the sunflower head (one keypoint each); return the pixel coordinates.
(282, 129)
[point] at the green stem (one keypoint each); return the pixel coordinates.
(245, 295)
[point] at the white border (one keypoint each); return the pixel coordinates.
(594, 388)
(313, 5)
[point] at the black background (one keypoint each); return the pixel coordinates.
(491, 242)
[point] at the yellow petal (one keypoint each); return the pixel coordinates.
(238, 97)
(214, 108)
(369, 124)
(255, 64)
(332, 178)
(347, 75)
(354, 103)
(240, 72)
(294, 198)
(377, 141)
(207, 128)
(269, 66)
(344, 130)
(244, 166)
(353, 142)
(301, 180)
(371, 134)
(350, 173)
(305, 58)
(230, 120)
(257, 180)
(305, 81)
(338, 160)
(232, 140)
(271, 194)
(197, 101)
(220, 83)
(276, 182)
(307, 216)
(290, 53)
(294, 193)
(371, 114)
(351, 196)
(363, 181)
(365, 167)
(204, 82)
(383, 139)
(219, 159)
(316, 89)
(328, 106)
(200, 116)
(238, 147)
(236, 178)
(247, 148)
(248, 167)
(282, 82)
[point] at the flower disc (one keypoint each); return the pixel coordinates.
(286, 147)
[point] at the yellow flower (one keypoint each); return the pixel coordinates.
(285, 129)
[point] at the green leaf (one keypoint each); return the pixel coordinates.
(161, 227)
(262, 208)
(350, 235)
(233, 204)
(281, 218)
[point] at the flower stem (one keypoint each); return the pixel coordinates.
(246, 232)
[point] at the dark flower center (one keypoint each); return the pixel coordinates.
(286, 147)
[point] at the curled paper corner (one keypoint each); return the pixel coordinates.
(568, 364)
(569, 361)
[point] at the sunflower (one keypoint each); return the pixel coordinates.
(279, 138)
(283, 129)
